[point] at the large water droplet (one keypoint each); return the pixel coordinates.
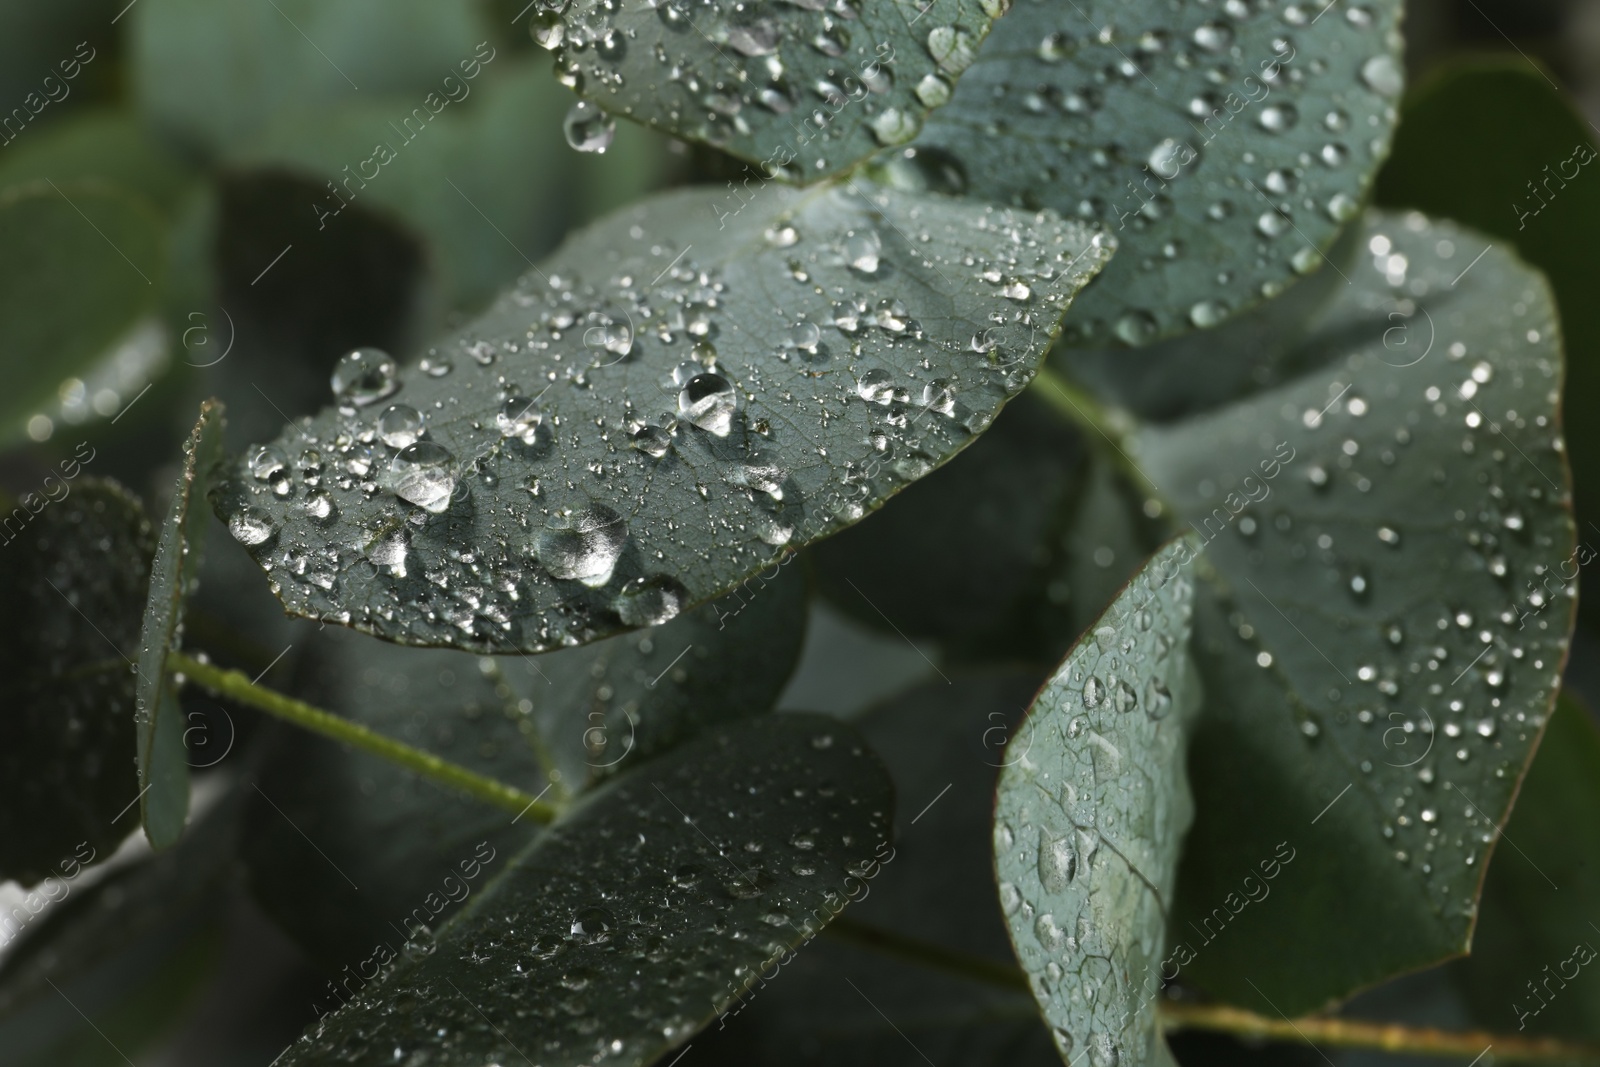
(582, 545)
(250, 526)
(518, 417)
(400, 425)
(423, 474)
(588, 128)
(650, 601)
(364, 375)
(708, 401)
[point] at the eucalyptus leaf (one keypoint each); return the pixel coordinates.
(72, 574)
(631, 921)
(80, 267)
(1224, 144)
(637, 427)
(1090, 811)
(841, 1003)
(1535, 942)
(1390, 608)
(109, 144)
(805, 89)
(408, 844)
(163, 766)
(212, 75)
(1493, 144)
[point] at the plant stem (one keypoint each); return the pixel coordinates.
(929, 955)
(1177, 1015)
(1359, 1033)
(237, 686)
(1112, 425)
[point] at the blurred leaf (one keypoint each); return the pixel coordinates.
(163, 766)
(106, 144)
(478, 181)
(129, 951)
(1384, 619)
(1539, 894)
(631, 921)
(1494, 145)
(65, 41)
(800, 89)
(943, 743)
(601, 454)
(80, 266)
(1090, 811)
(72, 577)
(291, 299)
(1221, 183)
(600, 709)
(213, 75)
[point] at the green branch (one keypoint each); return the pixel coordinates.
(236, 686)
(1103, 425)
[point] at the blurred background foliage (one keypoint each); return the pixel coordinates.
(213, 145)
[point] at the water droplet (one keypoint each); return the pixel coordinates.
(652, 441)
(650, 601)
(1135, 327)
(364, 375)
(1382, 75)
(400, 425)
(933, 91)
(1058, 863)
(519, 418)
(582, 545)
(708, 401)
(422, 473)
(250, 526)
(588, 128)
(893, 126)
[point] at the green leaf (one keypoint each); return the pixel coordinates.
(66, 42)
(72, 574)
(804, 89)
(1385, 618)
(1090, 811)
(107, 144)
(131, 950)
(163, 768)
(630, 922)
(1494, 145)
(80, 266)
(637, 427)
(1222, 185)
(475, 181)
(1538, 895)
(595, 710)
(213, 75)
(842, 1003)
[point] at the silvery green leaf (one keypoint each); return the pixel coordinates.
(1090, 812)
(656, 414)
(1225, 145)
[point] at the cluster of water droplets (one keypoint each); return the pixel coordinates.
(1282, 124)
(812, 75)
(1410, 563)
(606, 450)
(650, 908)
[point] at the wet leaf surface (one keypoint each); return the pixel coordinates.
(628, 924)
(1223, 149)
(805, 89)
(637, 427)
(1387, 619)
(1090, 812)
(163, 763)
